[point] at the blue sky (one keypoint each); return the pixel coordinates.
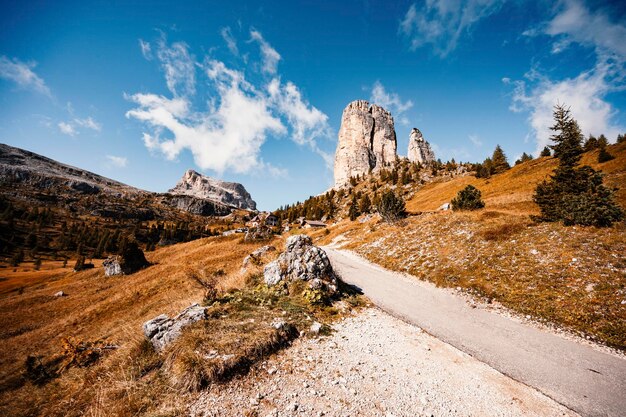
(253, 91)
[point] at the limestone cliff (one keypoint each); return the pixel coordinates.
(367, 141)
(419, 149)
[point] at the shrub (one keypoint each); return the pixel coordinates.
(468, 198)
(391, 207)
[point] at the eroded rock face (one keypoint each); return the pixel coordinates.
(419, 149)
(367, 141)
(302, 261)
(131, 260)
(162, 330)
(229, 193)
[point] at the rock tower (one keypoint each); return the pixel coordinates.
(367, 141)
(419, 149)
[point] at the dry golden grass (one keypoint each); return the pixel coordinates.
(512, 190)
(33, 322)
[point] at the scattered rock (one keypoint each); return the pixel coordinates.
(445, 206)
(315, 328)
(60, 294)
(302, 261)
(162, 330)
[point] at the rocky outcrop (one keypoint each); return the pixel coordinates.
(302, 261)
(131, 260)
(419, 149)
(367, 141)
(255, 257)
(200, 186)
(163, 330)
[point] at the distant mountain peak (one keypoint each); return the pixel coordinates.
(198, 185)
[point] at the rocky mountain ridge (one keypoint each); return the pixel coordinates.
(420, 150)
(38, 180)
(200, 186)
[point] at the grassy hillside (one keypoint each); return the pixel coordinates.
(574, 277)
(512, 190)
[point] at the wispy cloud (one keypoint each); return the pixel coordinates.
(391, 102)
(146, 49)
(475, 140)
(117, 161)
(441, 24)
(231, 42)
(576, 23)
(67, 129)
(241, 115)
(270, 55)
(22, 74)
(585, 93)
(179, 67)
(71, 127)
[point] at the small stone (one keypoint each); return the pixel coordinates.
(60, 294)
(272, 371)
(315, 328)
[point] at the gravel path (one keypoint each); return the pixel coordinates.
(584, 379)
(374, 365)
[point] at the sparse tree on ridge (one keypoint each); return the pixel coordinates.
(545, 152)
(500, 163)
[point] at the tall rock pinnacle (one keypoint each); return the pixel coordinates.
(367, 141)
(419, 149)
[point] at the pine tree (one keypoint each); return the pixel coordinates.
(604, 156)
(391, 207)
(574, 195)
(602, 142)
(621, 138)
(365, 204)
(500, 163)
(353, 211)
(545, 152)
(591, 143)
(468, 198)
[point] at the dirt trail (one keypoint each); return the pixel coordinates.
(584, 379)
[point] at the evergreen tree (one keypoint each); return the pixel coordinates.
(591, 143)
(365, 204)
(524, 158)
(468, 198)
(500, 163)
(391, 207)
(353, 211)
(604, 156)
(573, 194)
(602, 142)
(621, 138)
(545, 152)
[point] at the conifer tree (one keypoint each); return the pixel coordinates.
(365, 204)
(545, 152)
(353, 211)
(391, 207)
(591, 143)
(573, 194)
(500, 163)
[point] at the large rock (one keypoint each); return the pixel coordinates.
(302, 261)
(131, 260)
(229, 193)
(419, 149)
(367, 141)
(163, 330)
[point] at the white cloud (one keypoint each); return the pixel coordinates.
(475, 140)
(117, 161)
(576, 23)
(307, 122)
(585, 94)
(22, 74)
(146, 49)
(89, 123)
(269, 54)
(240, 116)
(228, 138)
(442, 23)
(179, 67)
(67, 128)
(230, 40)
(391, 102)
